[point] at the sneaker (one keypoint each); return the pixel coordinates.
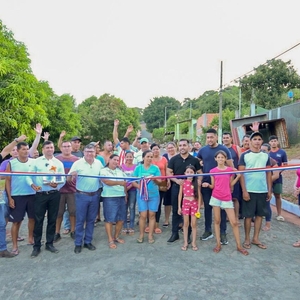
(57, 237)
(280, 218)
(224, 240)
(35, 253)
(206, 236)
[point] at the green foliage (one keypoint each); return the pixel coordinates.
(98, 115)
(154, 113)
(269, 83)
(158, 135)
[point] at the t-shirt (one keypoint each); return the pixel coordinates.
(234, 156)
(141, 171)
(207, 155)
(129, 172)
(280, 157)
(256, 182)
(70, 186)
(1, 158)
(222, 190)
(178, 164)
(78, 153)
(4, 164)
(298, 180)
(101, 158)
(113, 190)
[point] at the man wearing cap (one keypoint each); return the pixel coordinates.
(145, 145)
(256, 188)
(75, 143)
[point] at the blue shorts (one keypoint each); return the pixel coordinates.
(114, 209)
(151, 204)
(222, 204)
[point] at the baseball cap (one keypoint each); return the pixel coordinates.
(255, 134)
(144, 140)
(93, 143)
(76, 138)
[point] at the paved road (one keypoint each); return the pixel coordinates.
(158, 271)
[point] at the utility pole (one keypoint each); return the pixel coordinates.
(220, 106)
(240, 102)
(165, 119)
(190, 109)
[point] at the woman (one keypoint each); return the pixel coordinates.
(150, 203)
(114, 202)
(128, 168)
(297, 194)
(171, 151)
(162, 163)
(245, 143)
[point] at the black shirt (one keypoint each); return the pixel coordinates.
(179, 164)
(1, 158)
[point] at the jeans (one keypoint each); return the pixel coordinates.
(43, 203)
(269, 215)
(206, 195)
(86, 213)
(2, 227)
(66, 220)
(131, 203)
(158, 213)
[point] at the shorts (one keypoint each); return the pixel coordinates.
(189, 207)
(151, 204)
(220, 203)
(23, 204)
(167, 198)
(114, 209)
(69, 199)
(256, 206)
(277, 188)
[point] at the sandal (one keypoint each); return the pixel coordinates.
(157, 231)
(246, 245)
(147, 229)
(140, 240)
(243, 251)
(66, 231)
(297, 244)
(120, 241)
(165, 225)
(184, 248)
(260, 245)
(151, 241)
(112, 245)
(15, 251)
(20, 239)
(194, 248)
(130, 231)
(266, 228)
(124, 231)
(217, 249)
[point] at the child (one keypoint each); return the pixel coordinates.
(222, 186)
(190, 190)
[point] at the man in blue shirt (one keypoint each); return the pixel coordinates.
(207, 156)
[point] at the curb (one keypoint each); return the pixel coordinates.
(288, 206)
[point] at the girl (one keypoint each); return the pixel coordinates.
(128, 168)
(190, 192)
(221, 198)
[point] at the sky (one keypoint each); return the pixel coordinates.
(137, 50)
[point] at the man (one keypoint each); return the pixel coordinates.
(20, 195)
(177, 166)
(281, 158)
(75, 143)
(107, 151)
(67, 192)
(47, 196)
(86, 197)
(3, 247)
(145, 145)
(256, 187)
(235, 152)
(207, 156)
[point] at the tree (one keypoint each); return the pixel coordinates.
(269, 82)
(154, 113)
(98, 115)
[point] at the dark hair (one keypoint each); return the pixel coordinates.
(89, 146)
(46, 143)
(128, 152)
(154, 145)
(194, 180)
(211, 130)
(227, 133)
(111, 157)
(267, 145)
(20, 144)
(125, 140)
(144, 154)
(184, 140)
(221, 152)
(273, 137)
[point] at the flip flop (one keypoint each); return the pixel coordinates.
(260, 246)
(66, 231)
(120, 241)
(20, 239)
(184, 248)
(217, 249)
(157, 231)
(195, 248)
(297, 244)
(246, 245)
(243, 251)
(140, 240)
(151, 241)
(165, 225)
(147, 229)
(30, 244)
(112, 245)
(266, 228)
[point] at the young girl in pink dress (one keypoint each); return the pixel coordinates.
(221, 198)
(190, 197)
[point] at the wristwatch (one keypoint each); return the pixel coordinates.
(16, 140)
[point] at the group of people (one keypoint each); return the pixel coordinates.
(138, 173)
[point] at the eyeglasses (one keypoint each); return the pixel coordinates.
(66, 146)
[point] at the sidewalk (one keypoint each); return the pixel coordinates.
(158, 271)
